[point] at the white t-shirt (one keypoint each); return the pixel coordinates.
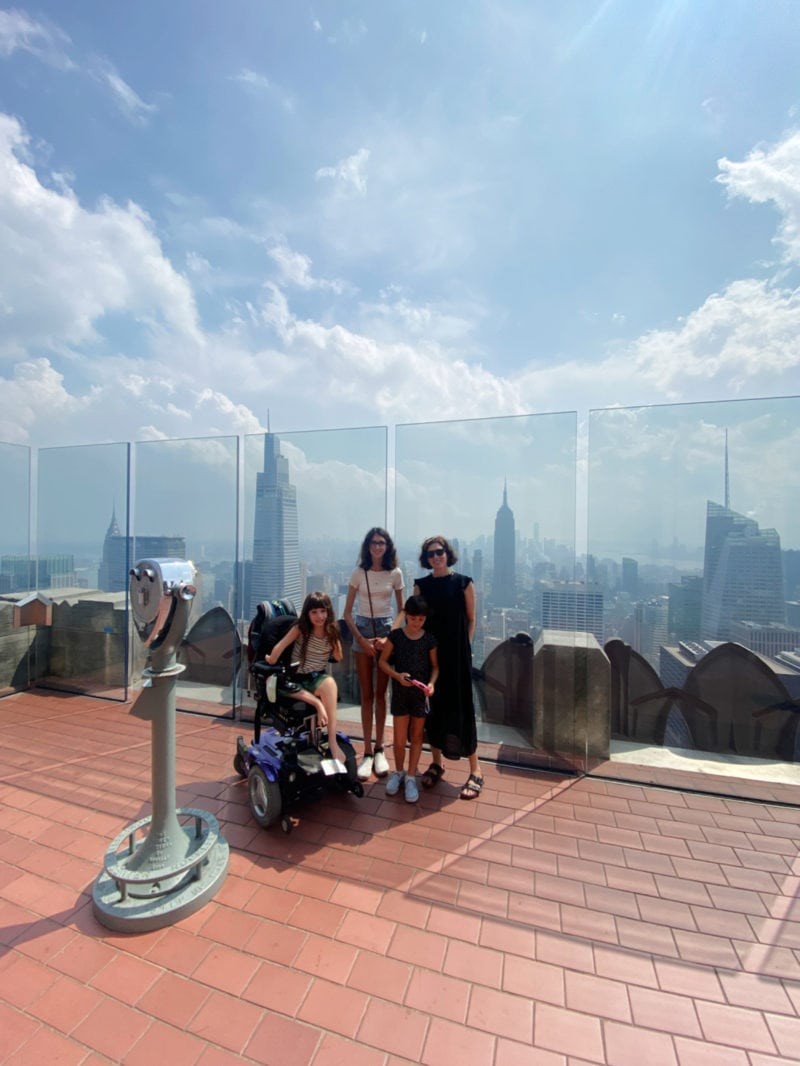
(382, 583)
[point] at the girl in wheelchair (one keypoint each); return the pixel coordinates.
(315, 641)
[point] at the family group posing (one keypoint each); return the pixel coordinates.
(423, 644)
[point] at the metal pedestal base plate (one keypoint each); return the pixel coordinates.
(137, 897)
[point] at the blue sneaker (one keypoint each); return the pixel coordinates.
(412, 792)
(394, 782)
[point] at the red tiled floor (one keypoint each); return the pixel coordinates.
(556, 921)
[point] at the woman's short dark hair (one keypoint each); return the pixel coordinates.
(389, 561)
(416, 605)
(445, 543)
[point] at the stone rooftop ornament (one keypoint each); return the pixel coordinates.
(149, 881)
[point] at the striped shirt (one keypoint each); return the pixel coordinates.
(318, 652)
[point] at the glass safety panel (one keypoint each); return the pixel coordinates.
(83, 644)
(17, 569)
(694, 527)
(502, 492)
(309, 499)
(185, 507)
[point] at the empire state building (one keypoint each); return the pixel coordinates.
(276, 550)
(504, 585)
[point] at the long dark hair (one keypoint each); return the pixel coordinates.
(312, 600)
(389, 561)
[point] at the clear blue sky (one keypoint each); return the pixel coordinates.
(360, 213)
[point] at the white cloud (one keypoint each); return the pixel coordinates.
(19, 32)
(771, 174)
(349, 174)
(125, 98)
(34, 393)
(260, 84)
(63, 266)
(295, 269)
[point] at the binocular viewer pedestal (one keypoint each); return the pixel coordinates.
(164, 867)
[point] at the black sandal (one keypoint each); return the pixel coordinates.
(432, 775)
(472, 789)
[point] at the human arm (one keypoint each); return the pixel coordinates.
(366, 645)
(335, 639)
(469, 608)
(289, 638)
(385, 665)
(400, 620)
(434, 656)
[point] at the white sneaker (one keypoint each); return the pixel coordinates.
(380, 763)
(395, 781)
(412, 792)
(364, 771)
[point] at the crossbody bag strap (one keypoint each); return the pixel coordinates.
(371, 611)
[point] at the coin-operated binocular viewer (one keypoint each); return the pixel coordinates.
(164, 867)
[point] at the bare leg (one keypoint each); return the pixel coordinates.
(417, 732)
(380, 707)
(400, 734)
(365, 669)
(327, 694)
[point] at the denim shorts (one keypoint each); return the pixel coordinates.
(311, 681)
(370, 628)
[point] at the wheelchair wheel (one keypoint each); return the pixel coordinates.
(265, 797)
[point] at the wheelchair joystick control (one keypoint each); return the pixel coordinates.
(164, 867)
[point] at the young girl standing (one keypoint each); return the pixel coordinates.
(375, 590)
(315, 639)
(409, 657)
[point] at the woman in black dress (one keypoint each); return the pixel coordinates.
(450, 727)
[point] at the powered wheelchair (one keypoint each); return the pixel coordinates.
(288, 761)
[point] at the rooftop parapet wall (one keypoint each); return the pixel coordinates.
(572, 697)
(556, 693)
(83, 648)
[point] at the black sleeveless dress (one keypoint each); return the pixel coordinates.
(451, 724)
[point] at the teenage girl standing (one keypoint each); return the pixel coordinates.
(373, 584)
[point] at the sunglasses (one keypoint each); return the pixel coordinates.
(432, 552)
(377, 544)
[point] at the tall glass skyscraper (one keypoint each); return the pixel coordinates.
(742, 573)
(276, 551)
(504, 582)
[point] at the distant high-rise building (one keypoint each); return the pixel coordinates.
(571, 605)
(504, 590)
(685, 606)
(477, 567)
(650, 628)
(19, 573)
(765, 639)
(791, 573)
(742, 573)
(276, 549)
(121, 552)
(630, 577)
